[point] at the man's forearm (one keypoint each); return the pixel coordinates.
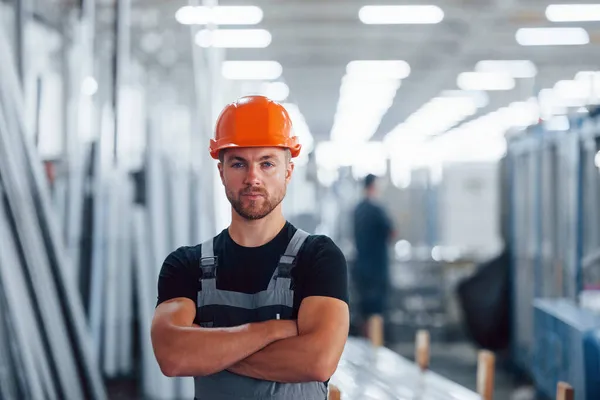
(195, 351)
(293, 360)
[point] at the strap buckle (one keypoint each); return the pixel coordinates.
(286, 264)
(209, 267)
(208, 261)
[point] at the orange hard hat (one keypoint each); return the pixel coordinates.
(254, 121)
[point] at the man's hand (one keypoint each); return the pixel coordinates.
(313, 355)
(183, 349)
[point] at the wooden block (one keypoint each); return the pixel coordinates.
(422, 349)
(564, 391)
(485, 374)
(334, 393)
(375, 330)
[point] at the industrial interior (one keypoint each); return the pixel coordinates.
(479, 119)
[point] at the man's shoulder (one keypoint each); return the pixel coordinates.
(322, 269)
(319, 241)
(183, 256)
(313, 242)
(190, 255)
(318, 246)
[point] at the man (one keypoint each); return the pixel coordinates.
(260, 311)
(372, 233)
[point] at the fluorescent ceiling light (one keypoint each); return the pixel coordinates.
(400, 15)
(219, 15)
(378, 69)
(354, 129)
(277, 91)
(436, 116)
(233, 38)
(515, 68)
(577, 90)
(589, 76)
(573, 12)
(251, 70)
(479, 97)
(551, 102)
(521, 113)
(552, 36)
(571, 90)
(364, 98)
(485, 81)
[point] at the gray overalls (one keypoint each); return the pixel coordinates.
(222, 308)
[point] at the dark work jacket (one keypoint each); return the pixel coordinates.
(372, 229)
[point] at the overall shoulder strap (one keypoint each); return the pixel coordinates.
(208, 264)
(283, 272)
(294, 246)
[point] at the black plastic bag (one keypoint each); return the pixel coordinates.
(485, 301)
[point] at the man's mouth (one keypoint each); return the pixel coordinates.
(254, 195)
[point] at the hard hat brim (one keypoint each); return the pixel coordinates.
(293, 146)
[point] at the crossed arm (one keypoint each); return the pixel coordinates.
(282, 351)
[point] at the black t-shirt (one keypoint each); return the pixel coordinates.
(320, 269)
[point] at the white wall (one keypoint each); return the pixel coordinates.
(468, 207)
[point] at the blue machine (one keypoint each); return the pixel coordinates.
(523, 165)
(591, 346)
(561, 329)
(555, 242)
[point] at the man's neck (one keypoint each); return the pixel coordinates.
(256, 232)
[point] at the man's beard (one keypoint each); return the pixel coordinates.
(250, 209)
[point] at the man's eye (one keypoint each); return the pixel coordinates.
(238, 165)
(268, 164)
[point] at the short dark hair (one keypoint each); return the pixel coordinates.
(288, 155)
(369, 181)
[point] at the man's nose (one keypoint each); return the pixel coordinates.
(253, 175)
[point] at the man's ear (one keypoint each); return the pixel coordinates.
(289, 171)
(220, 167)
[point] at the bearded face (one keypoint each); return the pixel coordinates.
(255, 203)
(255, 179)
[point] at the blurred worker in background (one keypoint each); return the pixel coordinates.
(260, 311)
(373, 232)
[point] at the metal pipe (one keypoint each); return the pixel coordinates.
(37, 225)
(121, 47)
(21, 201)
(20, 8)
(25, 332)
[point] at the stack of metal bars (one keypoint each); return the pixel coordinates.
(42, 306)
(366, 372)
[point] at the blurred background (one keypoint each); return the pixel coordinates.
(479, 119)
